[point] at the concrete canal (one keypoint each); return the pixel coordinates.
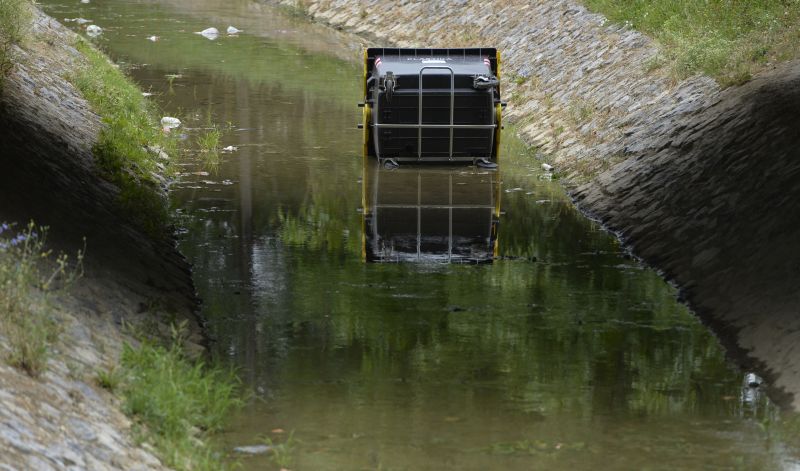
(559, 352)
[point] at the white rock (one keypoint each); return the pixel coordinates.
(547, 167)
(93, 30)
(169, 122)
(84, 1)
(233, 30)
(147, 94)
(158, 152)
(209, 33)
(152, 38)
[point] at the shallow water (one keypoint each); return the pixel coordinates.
(546, 347)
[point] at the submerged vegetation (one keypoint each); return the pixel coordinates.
(208, 144)
(282, 453)
(728, 40)
(130, 143)
(29, 275)
(15, 16)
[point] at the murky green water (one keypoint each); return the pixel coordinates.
(561, 353)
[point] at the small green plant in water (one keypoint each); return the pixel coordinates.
(208, 144)
(282, 454)
(29, 275)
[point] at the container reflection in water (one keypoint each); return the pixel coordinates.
(430, 214)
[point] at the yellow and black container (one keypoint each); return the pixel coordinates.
(432, 105)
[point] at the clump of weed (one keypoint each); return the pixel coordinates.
(15, 17)
(110, 379)
(282, 454)
(129, 130)
(208, 144)
(177, 401)
(579, 111)
(29, 275)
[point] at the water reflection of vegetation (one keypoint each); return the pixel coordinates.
(583, 313)
(239, 57)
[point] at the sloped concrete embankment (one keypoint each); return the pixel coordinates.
(717, 207)
(705, 188)
(63, 419)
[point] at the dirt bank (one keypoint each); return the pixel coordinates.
(704, 190)
(49, 175)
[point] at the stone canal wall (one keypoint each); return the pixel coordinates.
(699, 182)
(63, 419)
(717, 208)
(580, 89)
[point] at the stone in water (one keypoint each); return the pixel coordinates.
(209, 33)
(93, 30)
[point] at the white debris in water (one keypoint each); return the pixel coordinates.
(147, 94)
(752, 380)
(93, 30)
(168, 122)
(547, 167)
(233, 30)
(209, 33)
(512, 190)
(80, 21)
(253, 449)
(229, 149)
(84, 1)
(152, 38)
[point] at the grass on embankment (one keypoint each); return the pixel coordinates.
(130, 127)
(176, 401)
(729, 40)
(29, 275)
(15, 16)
